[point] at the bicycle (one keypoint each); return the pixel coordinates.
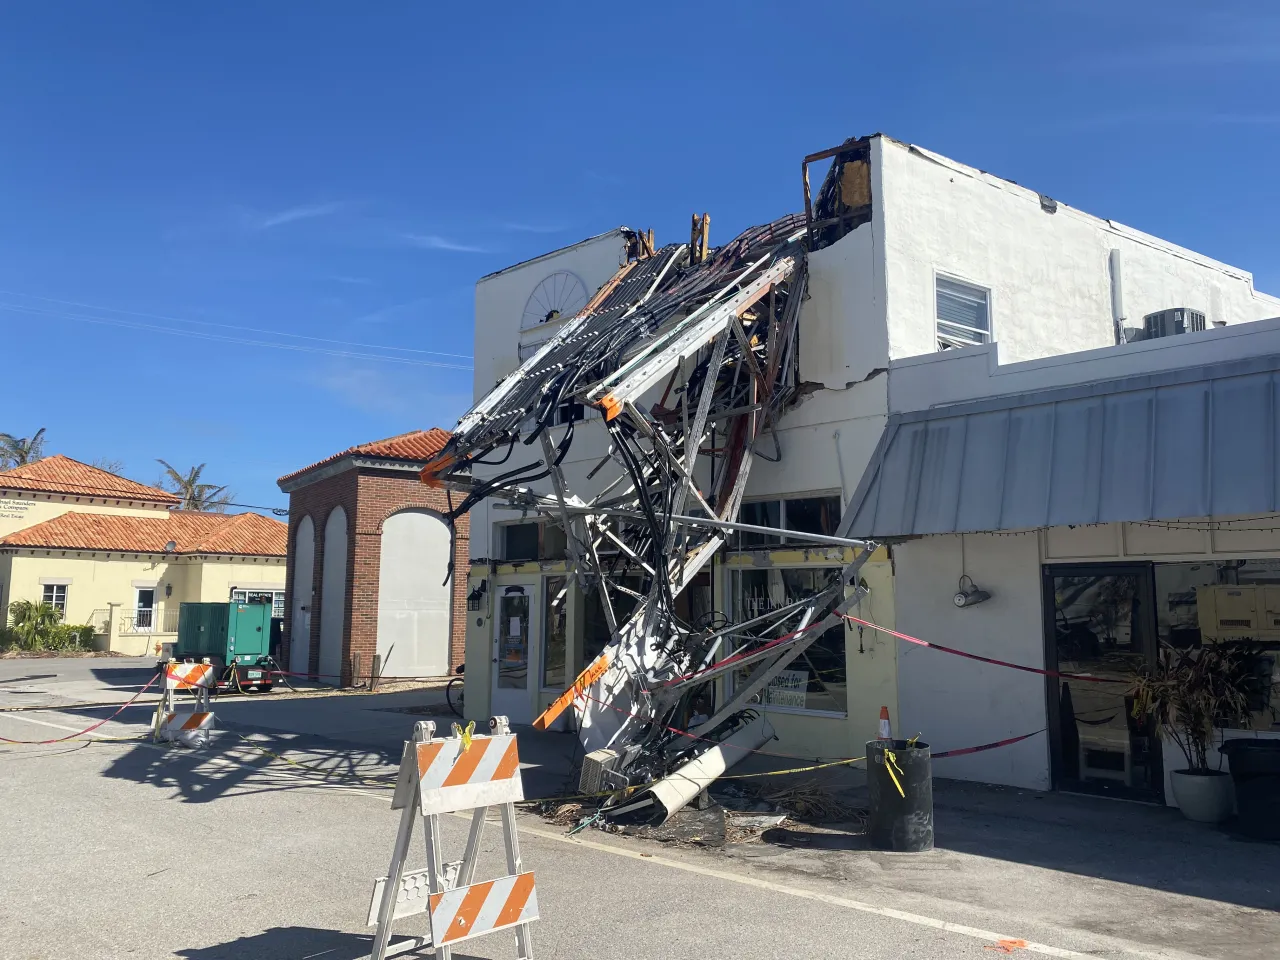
(455, 689)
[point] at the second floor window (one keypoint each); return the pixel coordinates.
(816, 514)
(964, 314)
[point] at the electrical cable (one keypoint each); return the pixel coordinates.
(220, 338)
(230, 326)
(115, 493)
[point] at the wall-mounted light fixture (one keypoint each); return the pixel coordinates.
(168, 590)
(968, 594)
(475, 599)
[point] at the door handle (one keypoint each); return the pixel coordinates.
(495, 659)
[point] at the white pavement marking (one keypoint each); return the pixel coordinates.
(918, 919)
(56, 726)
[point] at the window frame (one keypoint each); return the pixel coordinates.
(277, 599)
(53, 588)
(548, 612)
(990, 302)
(503, 528)
(734, 573)
(783, 542)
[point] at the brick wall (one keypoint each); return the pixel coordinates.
(369, 496)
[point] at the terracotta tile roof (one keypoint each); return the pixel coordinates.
(246, 534)
(419, 445)
(59, 474)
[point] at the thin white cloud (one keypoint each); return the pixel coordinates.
(374, 391)
(294, 214)
(433, 241)
(354, 281)
(392, 311)
(520, 227)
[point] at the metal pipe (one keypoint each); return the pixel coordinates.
(730, 526)
(674, 791)
(1115, 260)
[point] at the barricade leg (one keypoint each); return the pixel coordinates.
(524, 937)
(472, 854)
(399, 853)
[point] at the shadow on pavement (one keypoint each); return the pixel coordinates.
(130, 676)
(1139, 844)
(295, 943)
(236, 762)
(229, 766)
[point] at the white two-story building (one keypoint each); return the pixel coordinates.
(912, 254)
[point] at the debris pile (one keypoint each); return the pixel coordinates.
(690, 355)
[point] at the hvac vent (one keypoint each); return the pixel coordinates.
(597, 770)
(1175, 320)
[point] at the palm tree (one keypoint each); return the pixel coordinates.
(109, 464)
(195, 495)
(32, 622)
(18, 451)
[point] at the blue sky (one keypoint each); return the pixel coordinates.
(345, 172)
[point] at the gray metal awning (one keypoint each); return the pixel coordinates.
(1194, 442)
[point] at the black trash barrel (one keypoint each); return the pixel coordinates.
(900, 820)
(1255, 770)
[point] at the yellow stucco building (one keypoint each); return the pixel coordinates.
(117, 555)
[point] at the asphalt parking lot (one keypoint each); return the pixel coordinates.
(129, 849)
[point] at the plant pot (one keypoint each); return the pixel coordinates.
(1203, 795)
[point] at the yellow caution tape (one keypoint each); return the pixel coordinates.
(891, 764)
(465, 735)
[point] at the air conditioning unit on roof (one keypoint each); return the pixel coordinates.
(1175, 320)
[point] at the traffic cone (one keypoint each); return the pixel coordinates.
(886, 730)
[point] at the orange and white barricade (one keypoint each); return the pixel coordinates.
(447, 775)
(188, 676)
(188, 729)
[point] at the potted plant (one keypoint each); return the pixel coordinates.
(1189, 693)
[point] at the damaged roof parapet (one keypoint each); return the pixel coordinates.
(844, 199)
(715, 330)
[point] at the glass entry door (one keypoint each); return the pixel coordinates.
(1100, 624)
(512, 644)
(144, 611)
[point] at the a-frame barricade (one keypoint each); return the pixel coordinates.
(448, 775)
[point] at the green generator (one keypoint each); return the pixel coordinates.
(234, 637)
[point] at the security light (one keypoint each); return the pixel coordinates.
(968, 596)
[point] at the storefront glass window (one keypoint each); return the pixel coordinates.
(816, 680)
(819, 515)
(596, 633)
(555, 604)
(1178, 586)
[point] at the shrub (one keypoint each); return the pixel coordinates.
(68, 636)
(38, 626)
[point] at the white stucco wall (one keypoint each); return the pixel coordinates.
(842, 329)
(953, 702)
(1047, 272)
(501, 299)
